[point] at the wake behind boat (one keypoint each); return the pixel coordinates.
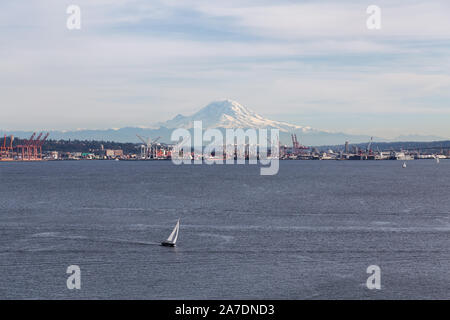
(172, 240)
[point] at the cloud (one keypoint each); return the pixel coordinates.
(136, 62)
(330, 19)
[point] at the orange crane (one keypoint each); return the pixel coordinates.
(34, 147)
(29, 150)
(296, 146)
(39, 145)
(3, 148)
(7, 150)
(26, 147)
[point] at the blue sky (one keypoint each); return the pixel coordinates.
(313, 63)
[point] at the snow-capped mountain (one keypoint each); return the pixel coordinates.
(229, 114)
(221, 114)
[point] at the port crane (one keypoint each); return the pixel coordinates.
(369, 146)
(146, 151)
(296, 146)
(39, 144)
(7, 150)
(34, 147)
(3, 148)
(31, 149)
(26, 147)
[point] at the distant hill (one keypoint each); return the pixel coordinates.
(415, 137)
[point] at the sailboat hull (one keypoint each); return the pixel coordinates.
(167, 244)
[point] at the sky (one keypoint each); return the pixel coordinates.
(312, 63)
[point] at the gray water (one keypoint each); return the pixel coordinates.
(309, 232)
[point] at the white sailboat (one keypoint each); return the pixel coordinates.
(172, 239)
(404, 165)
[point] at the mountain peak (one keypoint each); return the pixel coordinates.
(227, 113)
(225, 104)
(224, 107)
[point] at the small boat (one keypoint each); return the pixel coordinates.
(404, 165)
(172, 239)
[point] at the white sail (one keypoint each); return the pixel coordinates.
(174, 235)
